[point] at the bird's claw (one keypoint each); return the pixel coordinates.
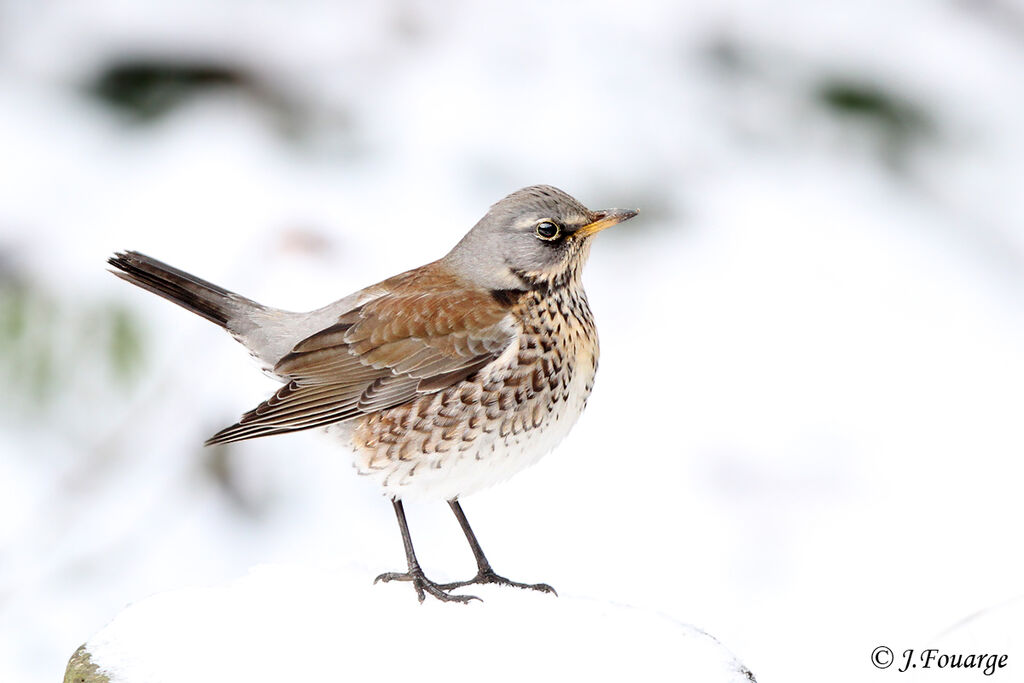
(488, 576)
(425, 586)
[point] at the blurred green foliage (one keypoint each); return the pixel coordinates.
(149, 88)
(883, 115)
(124, 343)
(896, 116)
(47, 345)
(223, 468)
(896, 124)
(25, 342)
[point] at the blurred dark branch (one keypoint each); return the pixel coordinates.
(147, 88)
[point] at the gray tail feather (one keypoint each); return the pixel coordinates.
(214, 303)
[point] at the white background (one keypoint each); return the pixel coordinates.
(805, 436)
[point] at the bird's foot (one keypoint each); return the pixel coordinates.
(488, 576)
(423, 586)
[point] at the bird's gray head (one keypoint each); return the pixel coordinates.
(535, 237)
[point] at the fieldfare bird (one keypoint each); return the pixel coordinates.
(444, 379)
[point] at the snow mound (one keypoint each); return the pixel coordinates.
(298, 623)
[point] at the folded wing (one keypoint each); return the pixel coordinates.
(380, 355)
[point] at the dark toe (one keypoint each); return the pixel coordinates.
(423, 586)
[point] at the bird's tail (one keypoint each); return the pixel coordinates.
(214, 303)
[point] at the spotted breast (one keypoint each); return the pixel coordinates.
(502, 419)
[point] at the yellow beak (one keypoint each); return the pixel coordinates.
(605, 219)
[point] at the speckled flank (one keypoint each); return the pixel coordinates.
(497, 422)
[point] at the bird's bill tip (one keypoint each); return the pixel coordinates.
(605, 219)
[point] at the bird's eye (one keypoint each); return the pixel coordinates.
(547, 230)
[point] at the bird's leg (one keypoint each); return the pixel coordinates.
(420, 582)
(484, 572)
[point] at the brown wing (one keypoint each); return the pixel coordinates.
(382, 354)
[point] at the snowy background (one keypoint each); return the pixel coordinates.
(806, 434)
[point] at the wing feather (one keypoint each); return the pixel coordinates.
(415, 339)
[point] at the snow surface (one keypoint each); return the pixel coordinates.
(290, 623)
(805, 434)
